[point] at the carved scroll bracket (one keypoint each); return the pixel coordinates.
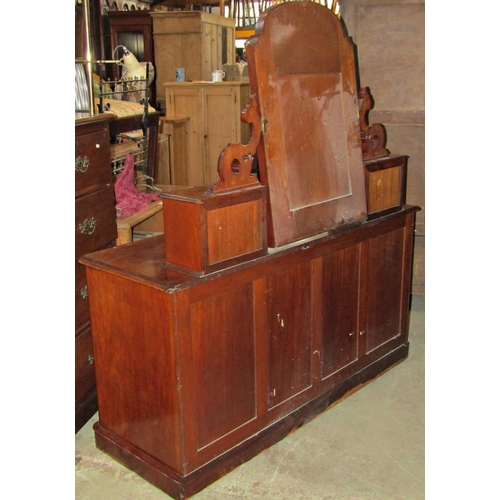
(373, 137)
(235, 161)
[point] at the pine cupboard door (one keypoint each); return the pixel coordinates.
(187, 101)
(222, 124)
(214, 111)
(219, 47)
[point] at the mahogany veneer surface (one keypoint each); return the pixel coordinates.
(196, 374)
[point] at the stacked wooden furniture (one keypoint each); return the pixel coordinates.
(194, 40)
(201, 43)
(95, 227)
(264, 301)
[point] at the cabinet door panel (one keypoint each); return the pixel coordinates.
(289, 303)
(212, 47)
(223, 370)
(384, 272)
(187, 102)
(340, 310)
(221, 114)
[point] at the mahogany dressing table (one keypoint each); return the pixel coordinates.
(266, 299)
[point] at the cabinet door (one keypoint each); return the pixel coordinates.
(340, 306)
(383, 269)
(220, 377)
(187, 102)
(290, 341)
(218, 47)
(222, 124)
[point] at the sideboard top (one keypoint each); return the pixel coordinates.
(144, 260)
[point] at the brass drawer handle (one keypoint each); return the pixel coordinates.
(87, 227)
(82, 164)
(84, 292)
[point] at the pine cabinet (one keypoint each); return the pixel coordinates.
(214, 122)
(197, 41)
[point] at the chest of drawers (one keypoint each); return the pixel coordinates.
(95, 228)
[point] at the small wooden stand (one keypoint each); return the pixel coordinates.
(125, 225)
(144, 219)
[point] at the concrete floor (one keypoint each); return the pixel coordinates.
(370, 446)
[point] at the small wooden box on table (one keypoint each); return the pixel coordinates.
(211, 344)
(206, 233)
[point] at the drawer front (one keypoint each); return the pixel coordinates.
(84, 364)
(92, 161)
(82, 313)
(81, 296)
(95, 220)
